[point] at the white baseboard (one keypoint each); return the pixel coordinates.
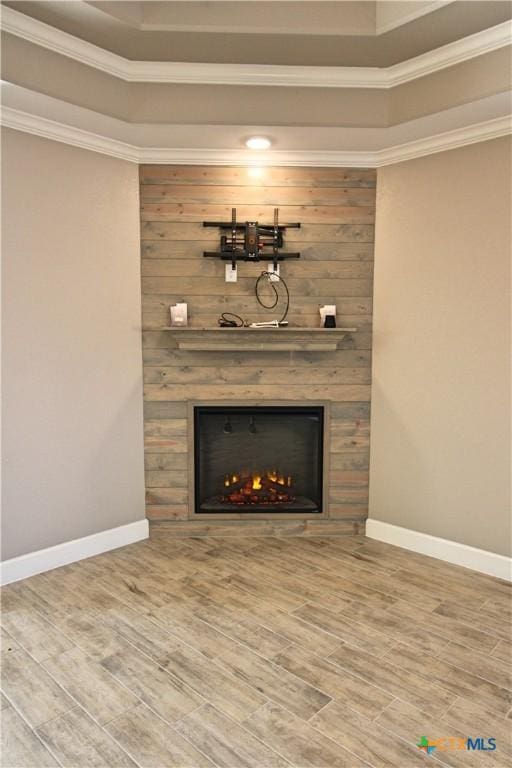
(70, 551)
(442, 549)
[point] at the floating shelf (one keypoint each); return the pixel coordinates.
(259, 339)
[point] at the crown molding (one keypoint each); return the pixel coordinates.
(58, 41)
(448, 55)
(67, 134)
(417, 13)
(272, 75)
(442, 142)
(35, 31)
(240, 157)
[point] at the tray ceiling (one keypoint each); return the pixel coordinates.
(267, 32)
(187, 82)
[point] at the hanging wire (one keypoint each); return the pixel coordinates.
(276, 297)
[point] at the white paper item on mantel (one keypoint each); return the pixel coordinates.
(327, 309)
(179, 317)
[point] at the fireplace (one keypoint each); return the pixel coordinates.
(259, 459)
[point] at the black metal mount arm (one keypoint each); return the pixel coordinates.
(256, 237)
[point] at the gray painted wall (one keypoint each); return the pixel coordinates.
(72, 370)
(440, 445)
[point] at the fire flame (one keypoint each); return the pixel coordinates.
(256, 483)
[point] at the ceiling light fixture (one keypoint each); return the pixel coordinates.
(258, 142)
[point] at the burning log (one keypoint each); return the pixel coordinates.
(269, 487)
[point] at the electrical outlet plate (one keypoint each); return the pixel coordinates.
(231, 274)
(275, 277)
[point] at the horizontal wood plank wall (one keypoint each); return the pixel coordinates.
(336, 207)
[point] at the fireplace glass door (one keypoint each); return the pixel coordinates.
(258, 459)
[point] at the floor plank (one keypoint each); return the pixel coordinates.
(31, 689)
(445, 626)
(36, 635)
(451, 678)
(20, 747)
(79, 742)
(87, 631)
(281, 598)
(227, 743)
(143, 633)
(150, 682)
(243, 630)
(90, 685)
(360, 635)
(395, 680)
(7, 643)
(4, 703)
(503, 651)
(153, 743)
(488, 667)
(488, 623)
(362, 696)
(396, 628)
(190, 629)
(233, 697)
(366, 739)
(274, 682)
(297, 741)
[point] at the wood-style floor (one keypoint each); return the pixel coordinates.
(255, 652)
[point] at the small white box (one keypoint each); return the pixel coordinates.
(179, 316)
(327, 309)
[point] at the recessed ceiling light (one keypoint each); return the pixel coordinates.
(258, 142)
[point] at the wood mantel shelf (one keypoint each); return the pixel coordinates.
(259, 339)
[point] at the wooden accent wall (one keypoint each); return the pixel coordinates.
(336, 208)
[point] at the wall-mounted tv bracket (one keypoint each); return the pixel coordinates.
(254, 243)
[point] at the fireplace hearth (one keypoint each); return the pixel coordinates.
(258, 459)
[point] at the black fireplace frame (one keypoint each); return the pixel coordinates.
(320, 409)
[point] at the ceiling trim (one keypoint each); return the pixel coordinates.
(67, 134)
(417, 13)
(50, 129)
(442, 142)
(448, 55)
(280, 75)
(56, 40)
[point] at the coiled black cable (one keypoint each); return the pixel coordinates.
(272, 284)
(226, 321)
